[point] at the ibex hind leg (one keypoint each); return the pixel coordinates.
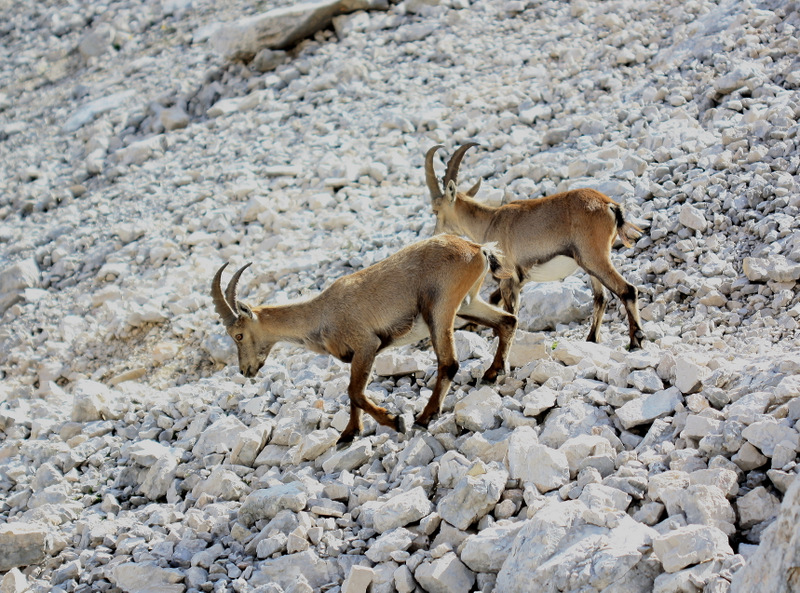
(441, 327)
(604, 271)
(509, 291)
(600, 302)
(503, 324)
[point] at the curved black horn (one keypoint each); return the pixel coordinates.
(230, 291)
(430, 176)
(224, 309)
(451, 174)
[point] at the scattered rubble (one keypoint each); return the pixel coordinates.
(145, 145)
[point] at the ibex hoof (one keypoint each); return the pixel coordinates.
(421, 423)
(636, 340)
(344, 442)
(492, 375)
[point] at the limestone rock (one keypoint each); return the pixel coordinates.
(478, 411)
(350, 458)
(13, 582)
(267, 502)
(649, 407)
(15, 279)
(772, 567)
(556, 541)
(539, 400)
(92, 401)
(444, 575)
(587, 451)
(392, 363)
(160, 476)
(280, 28)
(304, 567)
(531, 462)
(221, 483)
(527, 346)
(756, 506)
(768, 434)
(24, 544)
(689, 545)
(692, 218)
(220, 437)
(358, 579)
(402, 509)
(472, 498)
(689, 376)
(546, 304)
(249, 444)
(486, 550)
(135, 577)
(389, 542)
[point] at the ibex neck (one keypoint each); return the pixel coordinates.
(292, 322)
(474, 218)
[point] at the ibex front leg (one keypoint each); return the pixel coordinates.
(360, 371)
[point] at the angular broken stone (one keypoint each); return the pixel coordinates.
(267, 502)
(472, 498)
(553, 544)
(479, 410)
(529, 461)
(24, 544)
(134, 576)
(649, 407)
(445, 575)
(402, 509)
(690, 545)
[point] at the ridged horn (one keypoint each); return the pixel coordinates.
(224, 309)
(230, 291)
(430, 176)
(473, 191)
(451, 174)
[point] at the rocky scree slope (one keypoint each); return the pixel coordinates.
(137, 160)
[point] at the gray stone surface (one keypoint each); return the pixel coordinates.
(138, 160)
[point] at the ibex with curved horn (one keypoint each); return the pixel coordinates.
(410, 295)
(542, 239)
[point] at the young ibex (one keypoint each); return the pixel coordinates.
(542, 239)
(414, 293)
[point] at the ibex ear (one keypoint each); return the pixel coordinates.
(450, 191)
(474, 189)
(244, 309)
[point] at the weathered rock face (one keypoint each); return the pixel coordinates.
(773, 566)
(282, 28)
(552, 546)
(140, 577)
(137, 160)
(24, 544)
(547, 304)
(15, 279)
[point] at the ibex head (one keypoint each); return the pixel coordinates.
(242, 324)
(444, 201)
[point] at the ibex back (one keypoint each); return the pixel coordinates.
(415, 293)
(542, 239)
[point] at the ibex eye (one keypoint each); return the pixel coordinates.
(238, 337)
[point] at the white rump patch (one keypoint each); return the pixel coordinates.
(557, 268)
(419, 331)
